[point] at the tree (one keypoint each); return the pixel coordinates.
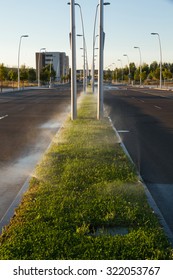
(126, 73)
(132, 70)
(156, 74)
(115, 75)
(12, 76)
(144, 75)
(23, 73)
(137, 75)
(153, 66)
(167, 74)
(3, 74)
(145, 68)
(108, 75)
(171, 68)
(31, 75)
(46, 73)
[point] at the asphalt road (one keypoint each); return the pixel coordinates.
(144, 120)
(28, 121)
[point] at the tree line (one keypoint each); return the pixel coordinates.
(26, 75)
(148, 74)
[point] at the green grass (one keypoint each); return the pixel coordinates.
(84, 183)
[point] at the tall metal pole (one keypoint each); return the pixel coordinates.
(160, 62)
(84, 49)
(100, 70)
(39, 65)
(122, 69)
(153, 33)
(128, 65)
(84, 68)
(94, 40)
(19, 59)
(50, 80)
(140, 64)
(73, 61)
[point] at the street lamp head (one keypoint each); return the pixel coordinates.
(124, 54)
(136, 47)
(76, 4)
(79, 35)
(154, 33)
(25, 36)
(106, 3)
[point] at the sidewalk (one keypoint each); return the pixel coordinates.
(85, 200)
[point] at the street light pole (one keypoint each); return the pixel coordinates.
(93, 62)
(84, 69)
(73, 67)
(87, 69)
(84, 46)
(100, 70)
(140, 64)
(23, 36)
(84, 49)
(42, 49)
(128, 65)
(94, 41)
(153, 33)
(122, 69)
(50, 80)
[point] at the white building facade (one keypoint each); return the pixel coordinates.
(59, 60)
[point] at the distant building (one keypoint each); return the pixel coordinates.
(59, 60)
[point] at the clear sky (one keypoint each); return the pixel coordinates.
(127, 23)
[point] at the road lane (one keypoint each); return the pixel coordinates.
(149, 141)
(33, 119)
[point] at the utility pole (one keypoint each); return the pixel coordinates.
(100, 70)
(73, 61)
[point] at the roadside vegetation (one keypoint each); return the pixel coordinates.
(150, 74)
(85, 201)
(28, 76)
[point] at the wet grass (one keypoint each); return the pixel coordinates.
(84, 186)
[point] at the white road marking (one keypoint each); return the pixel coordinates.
(157, 107)
(123, 131)
(3, 117)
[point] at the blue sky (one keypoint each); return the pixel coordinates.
(127, 23)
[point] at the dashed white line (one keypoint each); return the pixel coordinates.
(3, 117)
(123, 131)
(140, 100)
(157, 107)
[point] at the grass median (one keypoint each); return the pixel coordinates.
(85, 201)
